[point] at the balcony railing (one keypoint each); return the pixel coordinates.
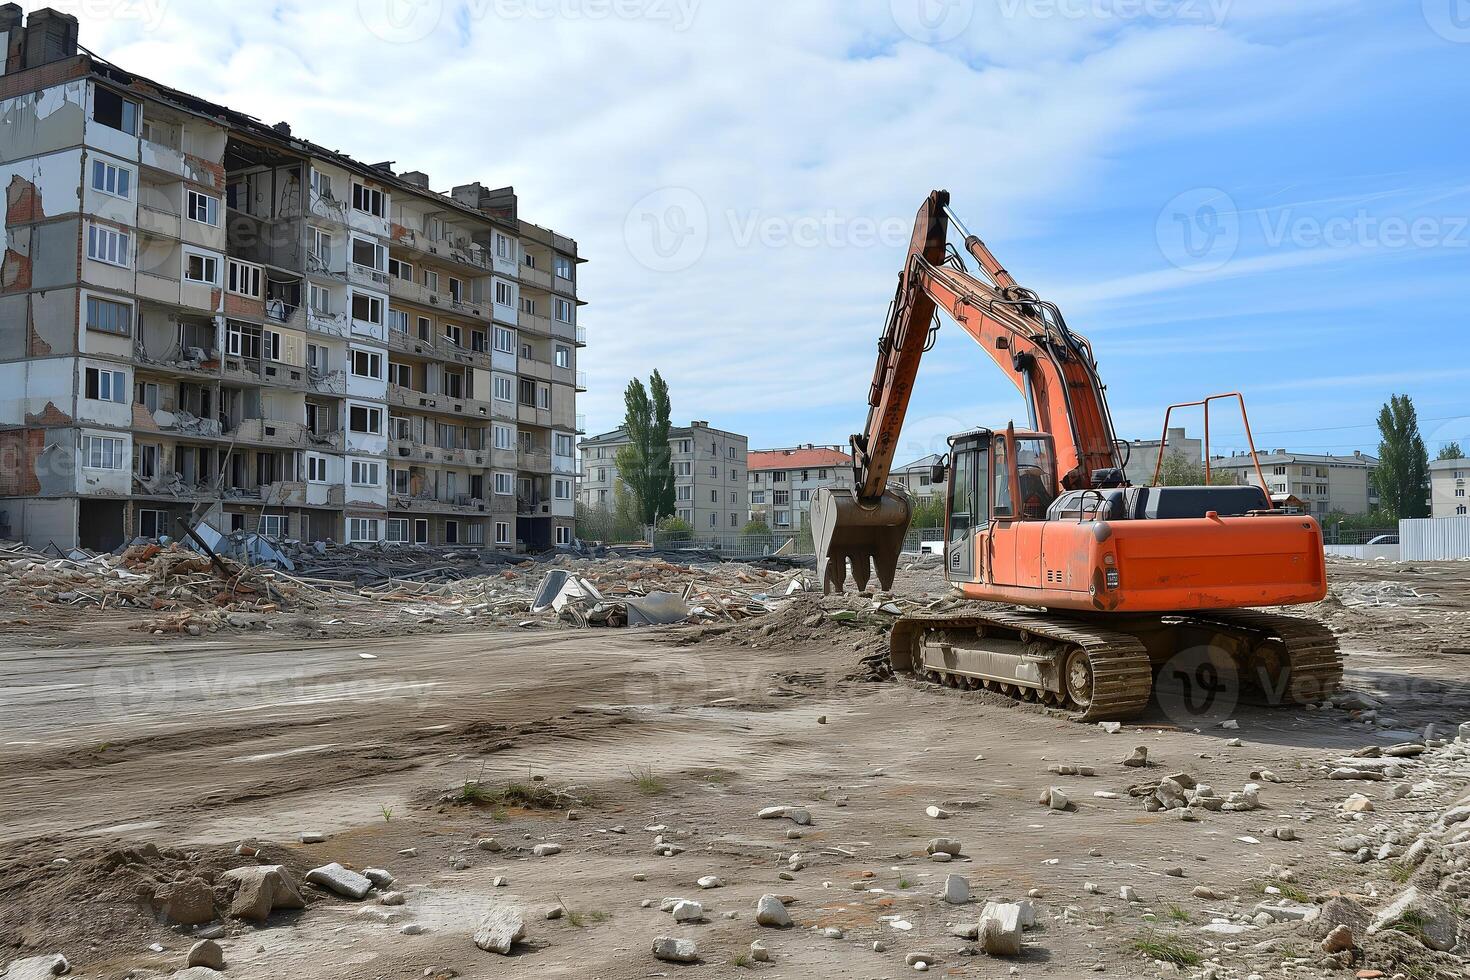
(581, 380)
(581, 336)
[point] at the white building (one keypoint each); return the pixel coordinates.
(782, 482)
(1447, 487)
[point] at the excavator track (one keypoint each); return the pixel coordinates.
(1310, 654)
(1120, 671)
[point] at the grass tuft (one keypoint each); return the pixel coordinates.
(1178, 914)
(647, 783)
(1168, 950)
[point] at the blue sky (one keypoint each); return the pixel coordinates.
(1222, 194)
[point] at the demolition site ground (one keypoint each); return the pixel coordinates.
(447, 749)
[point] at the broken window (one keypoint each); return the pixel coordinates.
(362, 418)
(145, 393)
(369, 254)
(152, 523)
(319, 247)
(244, 278)
(147, 462)
(202, 208)
(367, 199)
(367, 364)
(106, 386)
(114, 111)
(201, 268)
(367, 308)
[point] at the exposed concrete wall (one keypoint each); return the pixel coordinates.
(43, 522)
(41, 122)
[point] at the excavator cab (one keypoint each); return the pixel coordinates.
(995, 479)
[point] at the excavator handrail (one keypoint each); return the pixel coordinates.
(1205, 404)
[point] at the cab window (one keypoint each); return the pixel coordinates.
(1000, 452)
(961, 495)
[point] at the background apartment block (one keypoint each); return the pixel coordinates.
(201, 314)
(782, 482)
(1325, 484)
(918, 479)
(709, 475)
(1143, 455)
(1447, 487)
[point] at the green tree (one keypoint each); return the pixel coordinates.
(1403, 462)
(644, 465)
(1181, 471)
(1451, 450)
(672, 528)
(928, 512)
(756, 526)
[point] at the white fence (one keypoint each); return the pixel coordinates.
(1365, 551)
(1434, 538)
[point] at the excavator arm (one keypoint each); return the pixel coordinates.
(1053, 369)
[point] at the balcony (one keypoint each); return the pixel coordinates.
(581, 382)
(531, 415)
(285, 316)
(532, 507)
(433, 402)
(253, 371)
(445, 250)
(416, 452)
(362, 275)
(533, 462)
(581, 336)
(155, 221)
(530, 367)
(277, 432)
(536, 278)
(563, 375)
(331, 383)
(565, 286)
(330, 324)
(531, 323)
(428, 504)
(164, 289)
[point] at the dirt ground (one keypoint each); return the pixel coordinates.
(615, 743)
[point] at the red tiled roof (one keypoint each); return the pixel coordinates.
(796, 459)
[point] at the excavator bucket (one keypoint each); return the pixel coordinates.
(867, 535)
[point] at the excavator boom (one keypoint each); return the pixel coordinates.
(1050, 366)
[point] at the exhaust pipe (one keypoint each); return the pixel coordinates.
(869, 535)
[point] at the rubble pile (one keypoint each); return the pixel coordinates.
(191, 588)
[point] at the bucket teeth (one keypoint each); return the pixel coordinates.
(869, 537)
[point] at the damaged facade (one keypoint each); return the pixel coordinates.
(204, 315)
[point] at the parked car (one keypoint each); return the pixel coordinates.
(1385, 539)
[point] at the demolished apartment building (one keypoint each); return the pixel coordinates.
(202, 313)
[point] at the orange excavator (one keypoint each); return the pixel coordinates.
(1086, 587)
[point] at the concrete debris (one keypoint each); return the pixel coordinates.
(759, 952)
(672, 950)
(770, 911)
(261, 890)
(797, 815)
(1000, 930)
(1138, 758)
(38, 967)
(1433, 922)
(956, 889)
(500, 929)
(943, 845)
(1055, 798)
(335, 878)
(189, 902)
(687, 911)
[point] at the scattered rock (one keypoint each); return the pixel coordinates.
(490, 844)
(413, 929)
(769, 911)
(207, 954)
(937, 813)
(944, 845)
(1056, 798)
(261, 890)
(686, 911)
(500, 929)
(379, 877)
(711, 881)
(797, 815)
(672, 950)
(546, 850)
(759, 953)
(1138, 758)
(189, 903)
(335, 878)
(1424, 917)
(312, 837)
(956, 890)
(1339, 940)
(1000, 930)
(392, 898)
(1357, 803)
(37, 967)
